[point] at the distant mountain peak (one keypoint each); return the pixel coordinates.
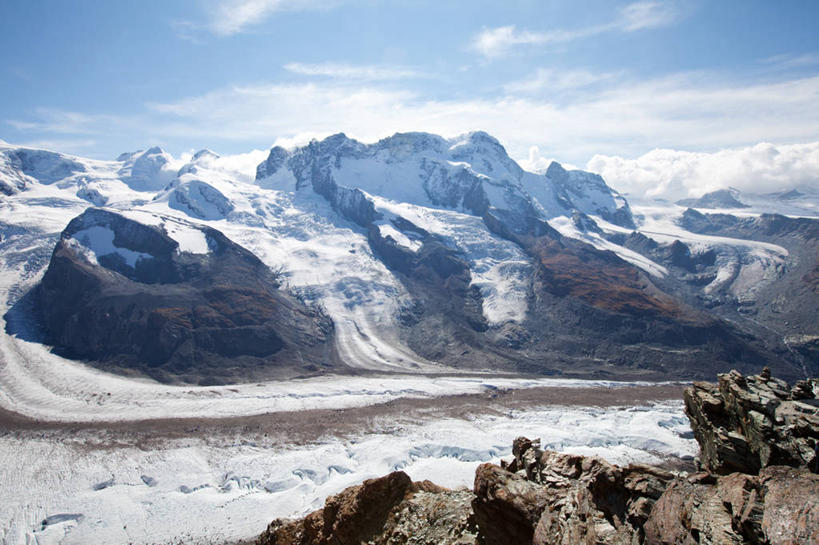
(721, 198)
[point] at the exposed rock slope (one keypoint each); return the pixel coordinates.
(130, 296)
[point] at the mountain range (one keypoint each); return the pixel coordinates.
(414, 254)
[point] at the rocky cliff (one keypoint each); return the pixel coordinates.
(755, 424)
(126, 295)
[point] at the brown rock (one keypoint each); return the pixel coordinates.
(390, 510)
(779, 506)
(747, 423)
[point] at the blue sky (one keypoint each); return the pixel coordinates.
(575, 81)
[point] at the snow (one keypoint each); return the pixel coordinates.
(400, 238)
(100, 240)
(565, 226)
(499, 267)
(190, 239)
(226, 488)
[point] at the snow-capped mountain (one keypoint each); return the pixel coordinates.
(425, 254)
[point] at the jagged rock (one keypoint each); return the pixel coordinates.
(546, 497)
(747, 423)
(389, 510)
(780, 505)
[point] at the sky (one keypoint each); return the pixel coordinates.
(663, 98)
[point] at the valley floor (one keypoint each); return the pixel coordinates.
(217, 480)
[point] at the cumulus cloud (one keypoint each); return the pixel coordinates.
(676, 174)
(495, 42)
(536, 162)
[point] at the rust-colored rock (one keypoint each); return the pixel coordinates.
(385, 511)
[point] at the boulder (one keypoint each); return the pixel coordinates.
(385, 511)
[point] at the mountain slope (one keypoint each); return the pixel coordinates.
(191, 304)
(434, 255)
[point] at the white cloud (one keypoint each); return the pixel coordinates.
(535, 162)
(693, 111)
(700, 112)
(642, 15)
(60, 145)
(51, 120)
(233, 16)
(547, 79)
(793, 61)
(675, 174)
(353, 71)
(495, 42)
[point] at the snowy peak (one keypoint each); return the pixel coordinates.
(45, 167)
(149, 170)
(275, 160)
(197, 199)
(485, 155)
(722, 198)
(469, 173)
(588, 193)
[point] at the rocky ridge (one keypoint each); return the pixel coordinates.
(126, 295)
(545, 497)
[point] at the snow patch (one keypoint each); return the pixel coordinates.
(100, 240)
(190, 239)
(387, 230)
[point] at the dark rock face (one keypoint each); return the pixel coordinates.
(209, 317)
(384, 511)
(550, 498)
(748, 423)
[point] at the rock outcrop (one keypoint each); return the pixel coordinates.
(384, 511)
(748, 423)
(780, 505)
(546, 497)
(551, 498)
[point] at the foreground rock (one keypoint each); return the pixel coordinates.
(550, 498)
(748, 423)
(780, 505)
(385, 511)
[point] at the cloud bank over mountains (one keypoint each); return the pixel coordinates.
(674, 174)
